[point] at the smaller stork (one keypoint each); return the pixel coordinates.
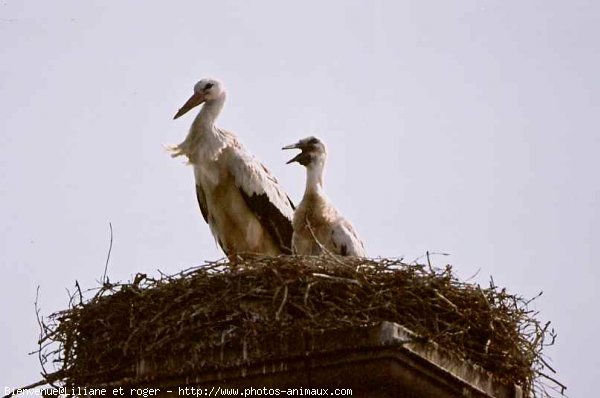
(317, 224)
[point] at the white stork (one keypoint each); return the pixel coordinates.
(245, 207)
(317, 224)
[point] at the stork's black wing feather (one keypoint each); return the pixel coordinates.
(263, 195)
(272, 219)
(204, 210)
(202, 201)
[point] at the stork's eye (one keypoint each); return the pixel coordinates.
(313, 141)
(208, 85)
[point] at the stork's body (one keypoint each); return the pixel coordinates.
(317, 223)
(246, 209)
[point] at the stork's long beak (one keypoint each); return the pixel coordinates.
(299, 157)
(292, 146)
(193, 102)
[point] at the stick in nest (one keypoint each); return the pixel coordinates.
(323, 248)
(283, 301)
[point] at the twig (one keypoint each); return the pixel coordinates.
(534, 297)
(450, 303)
(336, 278)
(323, 248)
(552, 379)
(41, 326)
(474, 275)
(429, 261)
(283, 301)
(307, 290)
(428, 253)
(104, 280)
(491, 325)
(79, 291)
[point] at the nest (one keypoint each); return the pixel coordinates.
(189, 314)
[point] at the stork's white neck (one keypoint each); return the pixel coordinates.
(203, 129)
(209, 113)
(314, 177)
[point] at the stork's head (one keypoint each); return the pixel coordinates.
(313, 151)
(204, 91)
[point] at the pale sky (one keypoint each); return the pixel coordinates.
(466, 127)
